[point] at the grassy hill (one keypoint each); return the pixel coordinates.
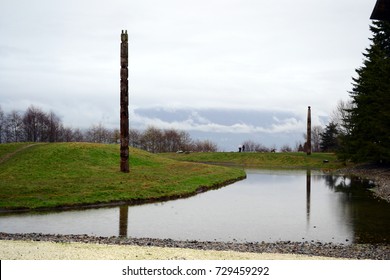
(264, 160)
(67, 174)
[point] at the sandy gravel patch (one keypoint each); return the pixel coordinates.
(34, 250)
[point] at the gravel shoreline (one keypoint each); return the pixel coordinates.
(354, 251)
(379, 174)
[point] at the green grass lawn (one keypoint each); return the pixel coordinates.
(264, 160)
(69, 174)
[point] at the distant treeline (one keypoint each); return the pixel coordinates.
(168, 140)
(35, 125)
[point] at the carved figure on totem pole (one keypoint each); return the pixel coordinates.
(124, 104)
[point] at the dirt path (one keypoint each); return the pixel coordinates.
(10, 155)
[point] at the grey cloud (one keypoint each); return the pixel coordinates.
(262, 59)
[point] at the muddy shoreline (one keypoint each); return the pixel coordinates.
(354, 251)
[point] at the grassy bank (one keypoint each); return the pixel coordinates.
(264, 160)
(68, 174)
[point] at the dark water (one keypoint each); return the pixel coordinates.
(268, 206)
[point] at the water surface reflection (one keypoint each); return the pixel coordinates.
(267, 206)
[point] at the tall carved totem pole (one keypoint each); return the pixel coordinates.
(124, 125)
(308, 141)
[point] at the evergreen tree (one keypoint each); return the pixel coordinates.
(369, 118)
(329, 142)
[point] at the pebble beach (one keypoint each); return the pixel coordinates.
(166, 248)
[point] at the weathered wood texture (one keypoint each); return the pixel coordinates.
(124, 102)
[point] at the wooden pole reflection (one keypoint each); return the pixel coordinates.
(308, 194)
(123, 220)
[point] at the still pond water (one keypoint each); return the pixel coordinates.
(267, 206)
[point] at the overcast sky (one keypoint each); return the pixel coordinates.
(235, 55)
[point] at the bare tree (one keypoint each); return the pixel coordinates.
(67, 135)
(169, 140)
(248, 146)
(172, 140)
(341, 115)
(99, 134)
(185, 141)
(78, 135)
(251, 146)
(316, 138)
(36, 124)
(151, 140)
(116, 136)
(54, 127)
(204, 146)
(14, 127)
(135, 138)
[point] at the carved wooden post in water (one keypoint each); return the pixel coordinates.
(124, 121)
(308, 141)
